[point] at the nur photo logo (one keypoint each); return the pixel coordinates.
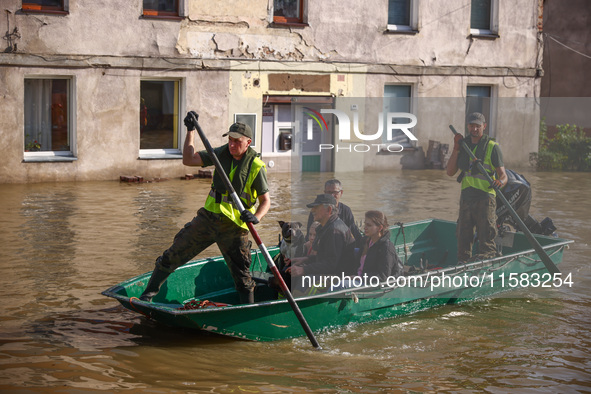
(346, 128)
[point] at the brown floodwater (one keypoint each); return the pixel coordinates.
(62, 244)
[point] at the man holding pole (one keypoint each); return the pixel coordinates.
(478, 198)
(219, 220)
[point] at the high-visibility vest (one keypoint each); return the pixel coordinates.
(247, 195)
(477, 180)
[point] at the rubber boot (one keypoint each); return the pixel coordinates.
(246, 298)
(156, 280)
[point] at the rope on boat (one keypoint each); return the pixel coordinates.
(534, 261)
(522, 258)
(196, 304)
(401, 230)
(258, 260)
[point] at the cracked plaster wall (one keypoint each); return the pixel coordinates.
(339, 32)
(92, 27)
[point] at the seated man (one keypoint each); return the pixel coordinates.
(335, 188)
(333, 244)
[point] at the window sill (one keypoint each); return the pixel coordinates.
(52, 12)
(406, 32)
(288, 25)
(163, 17)
(160, 156)
(485, 36)
(48, 159)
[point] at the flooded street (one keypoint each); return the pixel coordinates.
(62, 244)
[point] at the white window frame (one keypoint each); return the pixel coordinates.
(494, 21)
(57, 155)
(172, 153)
(414, 19)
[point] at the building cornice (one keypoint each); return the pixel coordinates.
(170, 64)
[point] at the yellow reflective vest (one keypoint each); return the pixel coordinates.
(242, 177)
(477, 180)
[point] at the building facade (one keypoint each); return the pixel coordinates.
(91, 90)
(566, 84)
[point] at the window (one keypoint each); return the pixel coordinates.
(479, 99)
(250, 120)
(159, 117)
(166, 8)
(402, 15)
(397, 98)
(277, 131)
(48, 125)
(44, 5)
(288, 11)
(483, 17)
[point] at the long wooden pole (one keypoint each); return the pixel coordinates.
(259, 242)
(550, 266)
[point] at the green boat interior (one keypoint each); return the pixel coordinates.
(422, 246)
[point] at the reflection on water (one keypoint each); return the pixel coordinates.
(62, 244)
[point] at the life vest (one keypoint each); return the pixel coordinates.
(242, 176)
(477, 180)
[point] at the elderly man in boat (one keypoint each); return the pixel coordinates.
(334, 187)
(333, 245)
(219, 221)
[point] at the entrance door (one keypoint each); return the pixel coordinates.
(293, 126)
(315, 130)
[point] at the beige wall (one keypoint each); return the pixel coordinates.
(221, 48)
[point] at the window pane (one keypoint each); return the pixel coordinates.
(57, 4)
(250, 120)
(46, 115)
(397, 99)
(478, 100)
(399, 12)
(480, 14)
(159, 115)
(287, 8)
(161, 5)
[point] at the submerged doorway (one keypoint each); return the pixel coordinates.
(291, 130)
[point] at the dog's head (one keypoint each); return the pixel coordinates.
(291, 231)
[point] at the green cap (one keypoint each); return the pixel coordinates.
(238, 130)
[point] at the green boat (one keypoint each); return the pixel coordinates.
(201, 294)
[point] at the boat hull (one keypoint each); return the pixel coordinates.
(272, 319)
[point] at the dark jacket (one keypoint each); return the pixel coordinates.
(333, 244)
(381, 260)
(346, 215)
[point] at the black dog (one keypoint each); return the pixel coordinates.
(292, 242)
(291, 245)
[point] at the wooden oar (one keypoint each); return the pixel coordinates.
(550, 266)
(261, 245)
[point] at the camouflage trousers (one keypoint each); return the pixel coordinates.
(200, 233)
(479, 214)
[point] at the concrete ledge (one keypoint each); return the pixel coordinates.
(161, 157)
(238, 64)
(49, 159)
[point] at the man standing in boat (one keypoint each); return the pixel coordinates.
(219, 221)
(477, 199)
